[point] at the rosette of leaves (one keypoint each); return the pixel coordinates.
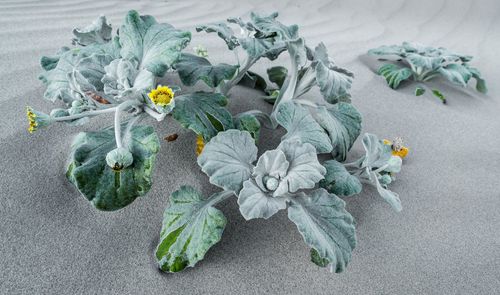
(285, 177)
(117, 75)
(421, 63)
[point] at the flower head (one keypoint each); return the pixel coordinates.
(398, 149)
(37, 119)
(200, 144)
(162, 96)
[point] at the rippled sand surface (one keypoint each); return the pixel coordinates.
(445, 241)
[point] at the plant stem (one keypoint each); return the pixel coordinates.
(226, 87)
(85, 114)
(119, 109)
(219, 197)
(154, 114)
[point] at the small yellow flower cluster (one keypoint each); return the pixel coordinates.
(200, 144)
(397, 150)
(32, 120)
(161, 96)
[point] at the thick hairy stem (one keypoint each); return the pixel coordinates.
(219, 197)
(229, 84)
(288, 92)
(85, 114)
(154, 114)
(123, 106)
(292, 83)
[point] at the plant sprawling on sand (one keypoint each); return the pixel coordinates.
(119, 75)
(423, 63)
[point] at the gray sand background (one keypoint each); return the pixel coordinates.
(445, 241)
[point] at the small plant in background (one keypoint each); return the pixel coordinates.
(423, 63)
(120, 75)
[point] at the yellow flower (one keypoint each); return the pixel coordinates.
(37, 119)
(200, 144)
(397, 148)
(161, 96)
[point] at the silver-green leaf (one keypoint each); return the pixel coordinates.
(342, 122)
(97, 32)
(394, 75)
(227, 159)
(192, 68)
(203, 112)
(191, 225)
(104, 187)
(339, 181)
(156, 46)
(326, 227)
(300, 125)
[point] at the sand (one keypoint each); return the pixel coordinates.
(445, 241)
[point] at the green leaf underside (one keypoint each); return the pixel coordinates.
(253, 80)
(227, 159)
(106, 189)
(277, 75)
(394, 75)
(339, 181)
(439, 95)
(191, 225)
(317, 259)
(192, 68)
(326, 227)
(203, 112)
(248, 123)
(419, 91)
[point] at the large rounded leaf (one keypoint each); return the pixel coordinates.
(255, 203)
(326, 226)
(227, 159)
(300, 125)
(156, 46)
(191, 225)
(105, 188)
(304, 170)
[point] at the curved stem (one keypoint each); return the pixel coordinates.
(119, 109)
(235, 51)
(85, 114)
(226, 87)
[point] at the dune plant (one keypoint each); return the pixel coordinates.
(120, 76)
(423, 63)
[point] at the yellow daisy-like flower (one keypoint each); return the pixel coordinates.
(162, 95)
(200, 144)
(31, 119)
(397, 147)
